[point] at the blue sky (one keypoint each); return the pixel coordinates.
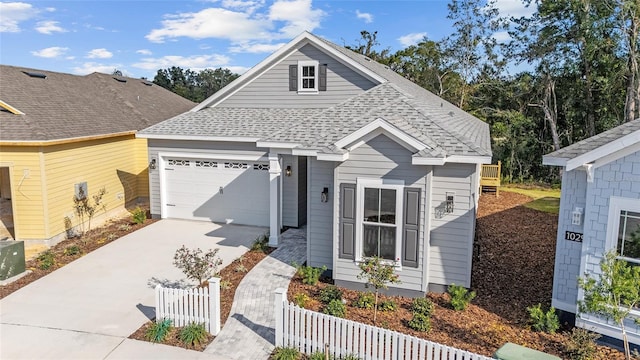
(140, 37)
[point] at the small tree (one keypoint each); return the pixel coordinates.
(377, 274)
(84, 209)
(614, 294)
(196, 265)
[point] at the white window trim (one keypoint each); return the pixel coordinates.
(301, 64)
(616, 205)
(397, 185)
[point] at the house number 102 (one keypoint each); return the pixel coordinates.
(573, 236)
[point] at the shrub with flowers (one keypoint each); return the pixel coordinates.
(196, 265)
(378, 274)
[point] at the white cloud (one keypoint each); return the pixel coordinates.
(209, 23)
(194, 62)
(411, 39)
(13, 13)
(144, 52)
(367, 17)
(298, 16)
(514, 8)
(49, 27)
(240, 23)
(50, 52)
(502, 36)
(91, 67)
(238, 69)
(255, 48)
(101, 53)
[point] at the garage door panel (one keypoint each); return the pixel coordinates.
(193, 191)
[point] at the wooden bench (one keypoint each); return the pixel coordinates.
(490, 177)
(511, 351)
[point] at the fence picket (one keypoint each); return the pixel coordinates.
(186, 306)
(309, 331)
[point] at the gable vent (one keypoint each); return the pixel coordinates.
(35, 74)
(119, 79)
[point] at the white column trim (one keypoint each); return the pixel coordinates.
(274, 198)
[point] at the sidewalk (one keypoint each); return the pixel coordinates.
(249, 332)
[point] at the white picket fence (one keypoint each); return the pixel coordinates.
(186, 306)
(309, 331)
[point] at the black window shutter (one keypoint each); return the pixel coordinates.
(322, 77)
(411, 227)
(347, 221)
(293, 77)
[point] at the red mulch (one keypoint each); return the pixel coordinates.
(512, 269)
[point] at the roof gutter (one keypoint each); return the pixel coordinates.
(64, 141)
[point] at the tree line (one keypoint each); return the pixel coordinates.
(582, 77)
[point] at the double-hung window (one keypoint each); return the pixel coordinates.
(308, 76)
(379, 226)
(624, 235)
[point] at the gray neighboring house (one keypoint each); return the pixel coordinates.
(319, 135)
(599, 212)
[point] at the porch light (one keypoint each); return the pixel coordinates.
(324, 197)
(449, 202)
(152, 164)
(287, 171)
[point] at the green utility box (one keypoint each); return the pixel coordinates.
(510, 351)
(11, 259)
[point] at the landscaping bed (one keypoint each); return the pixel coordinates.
(512, 270)
(71, 249)
(230, 277)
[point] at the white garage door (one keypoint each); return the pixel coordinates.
(229, 191)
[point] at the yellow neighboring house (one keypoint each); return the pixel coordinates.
(61, 132)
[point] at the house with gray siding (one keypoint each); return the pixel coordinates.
(599, 212)
(318, 135)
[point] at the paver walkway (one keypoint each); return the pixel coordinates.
(249, 332)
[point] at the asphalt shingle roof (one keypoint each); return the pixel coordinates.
(63, 106)
(582, 147)
(442, 126)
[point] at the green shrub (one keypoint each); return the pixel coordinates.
(46, 260)
(124, 227)
(581, 344)
(541, 321)
(460, 297)
(319, 355)
(300, 299)
(335, 308)
(349, 357)
(193, 334)
(138, 215)
(423, 306)
(158, 331)
(310, 275)
(72, 250)
(261, 244)
(330, 293)
(364, 301)
(420, 322)
(286, 353)
(388, 305)
(225, 284)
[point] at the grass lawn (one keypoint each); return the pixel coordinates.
(547, 200)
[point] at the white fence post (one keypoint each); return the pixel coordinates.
(158, 303)
(280, 301)
(214, 306)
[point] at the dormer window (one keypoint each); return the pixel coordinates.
(308, 77)
(308, 73)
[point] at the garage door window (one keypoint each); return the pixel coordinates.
(178, 162)
(206, 164)
(236, 165)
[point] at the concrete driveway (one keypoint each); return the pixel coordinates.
(88, 308)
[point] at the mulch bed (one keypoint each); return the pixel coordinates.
(90, 241)
(230, 276)
(512, 269)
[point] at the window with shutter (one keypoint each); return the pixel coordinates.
(308, 77)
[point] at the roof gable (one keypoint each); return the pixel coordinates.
(277, 57)
(607, 146)
(379, 127)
